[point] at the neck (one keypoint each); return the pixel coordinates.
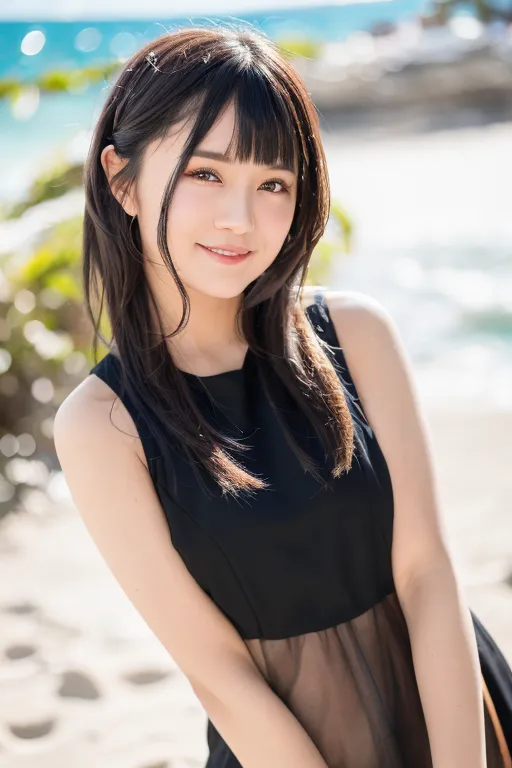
(210, 336)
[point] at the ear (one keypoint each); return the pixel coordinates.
(112, 164)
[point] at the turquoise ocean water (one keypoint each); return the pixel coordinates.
(65, 48)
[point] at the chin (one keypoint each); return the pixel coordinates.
(228, 290)
(225, 292)
(220, 288)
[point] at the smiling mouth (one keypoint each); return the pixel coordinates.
(225, 251)
(224, 256)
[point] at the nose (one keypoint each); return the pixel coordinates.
(234, 211)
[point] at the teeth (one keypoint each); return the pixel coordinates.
(226, 253)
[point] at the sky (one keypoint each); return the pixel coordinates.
(26, 10)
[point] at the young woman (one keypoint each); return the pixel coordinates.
(251, 460)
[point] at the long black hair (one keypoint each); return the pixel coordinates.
(193, 74)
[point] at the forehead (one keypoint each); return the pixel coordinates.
(221, 133)
(233, 138)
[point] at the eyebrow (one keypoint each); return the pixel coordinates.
(225, 159)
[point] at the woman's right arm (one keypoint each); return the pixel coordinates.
(118, 504)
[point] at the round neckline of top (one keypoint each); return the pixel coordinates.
(213, 376)
(234, 371)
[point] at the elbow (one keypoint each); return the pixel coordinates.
(439, 574)
(227, 686)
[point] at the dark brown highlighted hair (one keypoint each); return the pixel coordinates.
(194, 73)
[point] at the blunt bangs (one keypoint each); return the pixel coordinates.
(265, 130)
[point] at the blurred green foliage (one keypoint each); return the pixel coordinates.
(303, 47)
(48, 185)
(56, 80)
(45, 344)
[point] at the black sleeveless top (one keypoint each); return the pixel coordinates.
(303, 570)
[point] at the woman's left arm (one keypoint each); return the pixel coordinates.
(442, 637)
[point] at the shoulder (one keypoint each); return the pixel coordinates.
(364, 325)
(348, 306)
(356, 310)
(378, 364)
(373, 349)
(91, 413)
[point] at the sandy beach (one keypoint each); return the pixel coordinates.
(83, 681)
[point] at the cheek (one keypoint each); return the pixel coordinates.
(185, 214)
(188, 211)
(149, 196)
(275, 217)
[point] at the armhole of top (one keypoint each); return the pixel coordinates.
(323, 323)
(108, 369)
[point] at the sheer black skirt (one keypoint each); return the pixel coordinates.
(353, 688)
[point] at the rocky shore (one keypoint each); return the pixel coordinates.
(438, 70)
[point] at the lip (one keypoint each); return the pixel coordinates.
(227, 247)
(237, 257)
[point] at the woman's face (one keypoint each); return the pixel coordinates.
(218, 204)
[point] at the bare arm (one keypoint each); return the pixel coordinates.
(116, 499)
(440, 628)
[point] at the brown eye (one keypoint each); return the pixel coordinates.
(201, 172)
(285, 187)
